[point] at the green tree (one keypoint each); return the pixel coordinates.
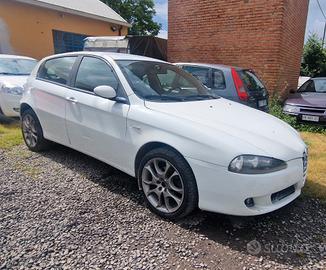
(139, 13)
(314, 58)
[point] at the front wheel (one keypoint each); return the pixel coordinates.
(168, 184)
(32, 132)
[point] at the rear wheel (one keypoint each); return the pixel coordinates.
(32, 132)
(168, 184)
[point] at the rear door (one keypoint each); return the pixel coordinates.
(96, 125)
(49, 94)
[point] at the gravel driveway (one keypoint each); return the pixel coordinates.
(64, 210)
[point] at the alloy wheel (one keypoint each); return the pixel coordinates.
(163, 185)
(29, 130)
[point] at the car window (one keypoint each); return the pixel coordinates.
(251, 81)
(170, 78)
(16, 66)
(309, 86)
(57, 70)
(162, 82)
(165, 81)
(218, 79)
(320, 85)
(200, 73)
(94, 72)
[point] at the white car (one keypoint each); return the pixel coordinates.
(156, 122)
(14, 71)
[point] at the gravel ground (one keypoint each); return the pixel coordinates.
(64, 210)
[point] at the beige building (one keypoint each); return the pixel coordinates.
(38, 28)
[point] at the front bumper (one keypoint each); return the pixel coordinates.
(10, 104)
(299, 116)
(225, 192)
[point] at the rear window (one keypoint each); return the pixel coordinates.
(57, 70)
(251, 81)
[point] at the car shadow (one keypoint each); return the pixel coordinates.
(294, 235)
(8, 121)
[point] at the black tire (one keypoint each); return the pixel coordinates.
(190, 194)
(41, 143)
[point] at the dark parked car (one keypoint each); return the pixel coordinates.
(237, 84)
(309, 102)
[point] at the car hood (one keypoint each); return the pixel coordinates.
(13, 80)
(308, 99)
(264, 133)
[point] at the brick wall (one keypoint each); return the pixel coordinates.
(265, 35)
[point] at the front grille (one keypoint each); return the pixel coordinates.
(312, 110)
(275, 197)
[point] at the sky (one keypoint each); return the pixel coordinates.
(315, 21)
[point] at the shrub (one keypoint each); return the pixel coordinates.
(314, 58)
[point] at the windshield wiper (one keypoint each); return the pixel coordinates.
(158, 97)
(13, 74)
(180, 98)
(5, 73)
(201, 97)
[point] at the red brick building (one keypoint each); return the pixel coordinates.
(265, 35)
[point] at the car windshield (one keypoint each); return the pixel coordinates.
(320, 85)
(251, 81)
(163, 82)
(16, 66)
(313, 86)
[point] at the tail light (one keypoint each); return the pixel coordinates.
(242, 93)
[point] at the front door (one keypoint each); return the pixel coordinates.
(96, 125)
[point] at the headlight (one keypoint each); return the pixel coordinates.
(250, 164)
(13, 90)
(291, 109)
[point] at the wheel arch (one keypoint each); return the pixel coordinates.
(145, 149)
(24, 107)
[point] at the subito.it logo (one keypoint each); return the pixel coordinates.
(254, 247)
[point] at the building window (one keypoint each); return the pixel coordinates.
(67, 42)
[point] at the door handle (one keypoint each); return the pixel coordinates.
(72, 99)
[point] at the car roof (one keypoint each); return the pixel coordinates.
(318, 78)
(219, 66)
(114, 56)
(10, 56)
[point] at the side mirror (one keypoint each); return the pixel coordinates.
(292, 91)
(105, 91)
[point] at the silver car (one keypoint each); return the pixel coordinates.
(237, 84)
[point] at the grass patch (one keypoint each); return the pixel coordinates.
(316, 183)
(10, 135)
